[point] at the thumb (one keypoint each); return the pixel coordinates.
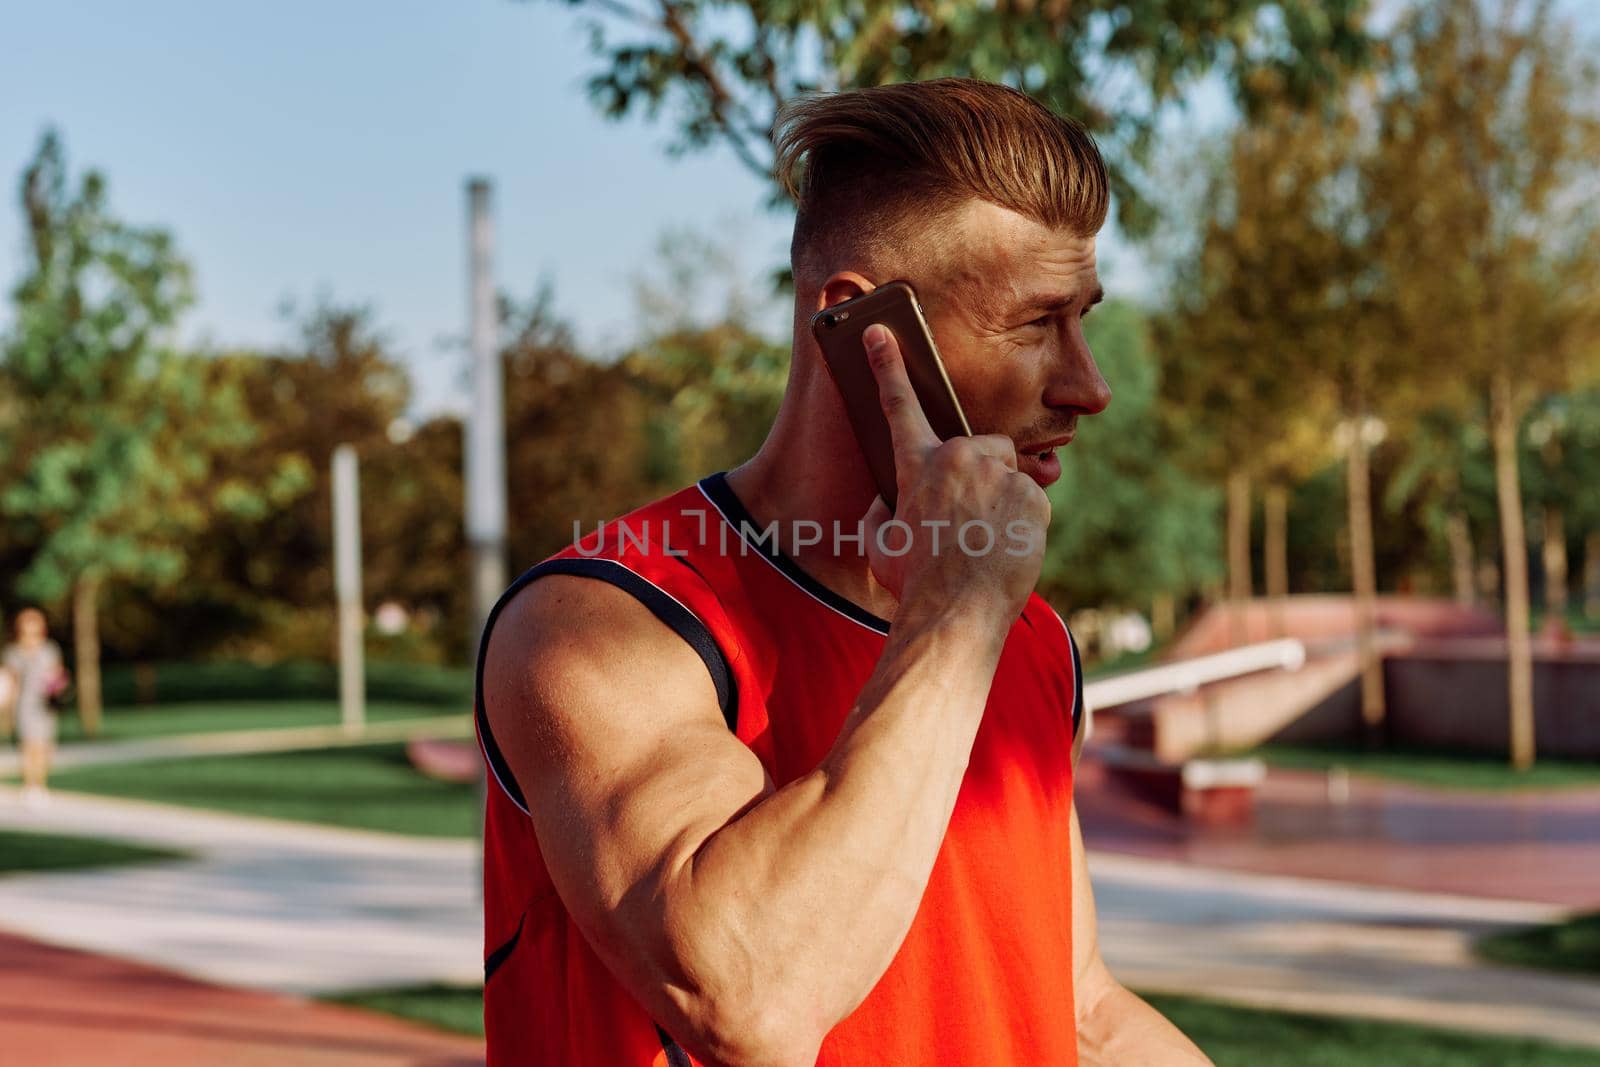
(873, 521)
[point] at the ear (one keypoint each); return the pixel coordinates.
(842, 286)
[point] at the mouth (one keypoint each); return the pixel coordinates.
(1040, 462)
(1043, 449)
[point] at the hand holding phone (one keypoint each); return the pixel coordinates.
(840, 332)
(971, 526)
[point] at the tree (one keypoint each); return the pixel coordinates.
(1485, 221)
(723, 68)
(1561, 465)
(101, 443)
(338, 383)
(1131, 525)
(1248, 318)
(577, 434)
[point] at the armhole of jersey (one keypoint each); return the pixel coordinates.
(662, 604)
(1078, 711)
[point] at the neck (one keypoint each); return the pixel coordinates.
(810, 468)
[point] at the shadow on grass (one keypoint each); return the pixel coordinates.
(368, 787)
(1572, 947)
(25, 852)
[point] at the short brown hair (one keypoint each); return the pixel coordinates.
(868, 168)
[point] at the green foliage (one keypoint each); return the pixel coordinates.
(260, 579)
(1128, 522)
(182, 682)
(722, 68)
(106, 435)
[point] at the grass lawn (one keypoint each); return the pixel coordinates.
(1457, 770)
(1232, 1036)
(206, 697)
(448, 1007)
(21, 851)
(369, 787)
(1247, 1037)
(167, 720)
(1573, 945)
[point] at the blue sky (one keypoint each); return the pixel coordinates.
(300, 148)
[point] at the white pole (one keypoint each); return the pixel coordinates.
(485, 425)
(347, 585)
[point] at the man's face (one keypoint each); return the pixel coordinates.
(1007, 313)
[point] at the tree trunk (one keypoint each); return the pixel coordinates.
(1591, 576)
(86, 646)
(1514, 538)
(1276, 501)
(1364, 579)
(1555, 564)
(1163, 617)
(1462, 566)
(1239, 583)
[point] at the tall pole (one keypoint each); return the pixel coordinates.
(347, 585)
(485, 427)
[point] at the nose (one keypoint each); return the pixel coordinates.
(1077, 384)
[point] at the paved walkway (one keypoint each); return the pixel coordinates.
(1327, 948)
(61, 1008)
(1523, 845)
(241, 742)
(267, 904)
(282, 906)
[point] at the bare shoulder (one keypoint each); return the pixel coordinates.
(566, 649)
(611, 725)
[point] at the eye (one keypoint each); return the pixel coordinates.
(1042, 320)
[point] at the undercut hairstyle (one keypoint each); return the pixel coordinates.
(873, 170)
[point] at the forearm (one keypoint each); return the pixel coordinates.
(804, 900)
(1118, 1028)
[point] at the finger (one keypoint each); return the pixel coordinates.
(997, 445)
(908, 424)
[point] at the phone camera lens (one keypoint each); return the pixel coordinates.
(830, 320)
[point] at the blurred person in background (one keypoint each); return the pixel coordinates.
(34, 664)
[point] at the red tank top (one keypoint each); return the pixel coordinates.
(985, 973)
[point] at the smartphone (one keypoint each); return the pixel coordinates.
(838, 331)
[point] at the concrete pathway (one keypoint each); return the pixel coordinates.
(241, 742)
(1330, 948)
(267, 904)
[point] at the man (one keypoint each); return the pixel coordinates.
(806, 798)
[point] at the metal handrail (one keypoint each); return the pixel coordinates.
(1188, 675)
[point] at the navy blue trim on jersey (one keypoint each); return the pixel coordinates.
(717, 490)
(662, 605)
(676, 1057)
(1077, 683)
(503, 953)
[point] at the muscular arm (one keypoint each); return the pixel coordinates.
(1115, 1027)
(746, 920)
